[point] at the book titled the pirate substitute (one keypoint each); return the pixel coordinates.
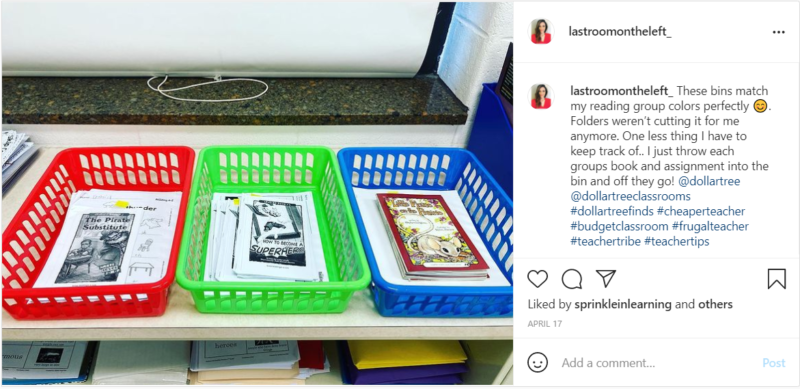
(93, 248)
(429, 242)
(152, 247)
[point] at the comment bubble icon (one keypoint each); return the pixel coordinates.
(572, 279)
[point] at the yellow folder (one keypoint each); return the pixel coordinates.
(374, 354)
(194, 380)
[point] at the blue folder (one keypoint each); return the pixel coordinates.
(83, 375)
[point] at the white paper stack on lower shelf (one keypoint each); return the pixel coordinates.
(253, 362)
(141, 363)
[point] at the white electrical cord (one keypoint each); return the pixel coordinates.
(217, 80)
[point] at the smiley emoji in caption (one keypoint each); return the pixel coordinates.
(537, 362)
(760, 105)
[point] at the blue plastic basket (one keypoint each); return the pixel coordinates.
(489, 207)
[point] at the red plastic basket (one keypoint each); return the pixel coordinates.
(30, 236)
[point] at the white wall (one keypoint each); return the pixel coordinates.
(474, 53)
(283, 39)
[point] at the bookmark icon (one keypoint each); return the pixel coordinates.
(607, 275)
(776, 277)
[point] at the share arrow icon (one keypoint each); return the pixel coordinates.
(607, 276)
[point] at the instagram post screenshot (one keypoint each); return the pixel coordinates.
(279, 193)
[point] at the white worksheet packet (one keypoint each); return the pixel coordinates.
(144, 246)
(230, 229)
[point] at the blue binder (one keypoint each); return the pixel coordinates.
(492, 139)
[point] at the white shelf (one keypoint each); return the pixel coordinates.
(182, 322)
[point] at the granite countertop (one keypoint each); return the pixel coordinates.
(332, 101)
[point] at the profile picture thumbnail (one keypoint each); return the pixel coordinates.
(540, 30)
(540, 96)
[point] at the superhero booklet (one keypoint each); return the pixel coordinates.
(271, 241)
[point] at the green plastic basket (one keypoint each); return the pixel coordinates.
(274, 169)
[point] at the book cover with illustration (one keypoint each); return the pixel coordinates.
(97, 248)
(276, 233)
(428, 239)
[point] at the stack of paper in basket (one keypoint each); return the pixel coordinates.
(256, 362)
(17, 153)
(414, 362)
(264, 237)
(421, 237)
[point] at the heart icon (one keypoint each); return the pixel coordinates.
(537, 277)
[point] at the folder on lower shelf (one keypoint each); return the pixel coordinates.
(422, 375)
(375, 354)
(248, 374)
(449, 379)
(195, 380)
(48, 355)
(312, 354)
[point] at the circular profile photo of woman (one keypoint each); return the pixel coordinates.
(540, 96)
(540, 30)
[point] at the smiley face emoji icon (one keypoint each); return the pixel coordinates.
(537, 362)
(760, 105)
